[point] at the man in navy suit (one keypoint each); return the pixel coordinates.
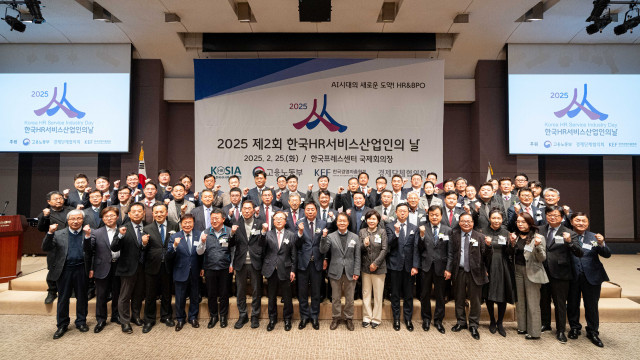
(310, 265)
(79, 195)
(356, 214)
(103, 265)
(402, 265)
(525, 196)
(181, 248)
(267, 209)
(416, 185)
(255, 194)
(279, 268)
(452, 210)
(588, 275)
(202, 213)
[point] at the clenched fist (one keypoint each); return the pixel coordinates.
(87, 230)
(423, 229)
(340, 189)
(116, 184)
(183, 208)
(487, 240)
(265, 227)
(566, 236)
(167, 201)
(397, 226)
(65, 193)
(301, 227)
(600, 239)
(516, 207)
(365, 242)
(538, 239)
(176, 242)
(478, 206)
(513, 237)
(234, 228)
(203, 238)
(53, 228)
(349, 212)
(123, 230)
(310, 187)
(145, 239)
(325, 232)
(245, 191)
(46, 212)
(80, 207)
(467, 209)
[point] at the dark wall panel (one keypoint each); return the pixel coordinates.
(456, 144)
(570, 175)
(180, 143)
(45, 177)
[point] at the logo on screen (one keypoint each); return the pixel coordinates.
(26, 142)
(547, 144)
(324, 117)
(584, 106)
(63, 105)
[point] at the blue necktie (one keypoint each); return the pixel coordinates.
(189, 243)
(162, 233)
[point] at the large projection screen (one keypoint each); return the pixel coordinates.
(574, 99)
(65, 97)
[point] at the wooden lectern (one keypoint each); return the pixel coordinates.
(11, 232)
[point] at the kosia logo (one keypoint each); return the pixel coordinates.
(589, 110)
(68, 109)
(331, 124)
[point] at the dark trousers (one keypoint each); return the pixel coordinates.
(104, 287)
(191, 287)
(273, 282)
(217, 290)
(309, 281)
(248, 271)
(429, 278)
(590, 296)
(466, 288)
(52, 287)
(72, 278)
(558, 290)
(131, 295)
(401, 286)
(154, 284)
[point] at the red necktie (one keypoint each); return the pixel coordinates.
(450, 216)
(293, 214)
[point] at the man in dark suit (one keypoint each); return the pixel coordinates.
(217, 249)
(325, 212)
(130, 268)
(452, 210)
(467, 263)
(255, 194)
(357, 212)
(68, 269)
(267, 209)
(78, 196)
(157, 267)
(396, 190)
(210, 184)
(294, 213)
(552, 198)
(402, 265)
(417, 216)
(202, 213)
(588, 276)
(292, 188)
(233, 210)
(104, 263)
(432, 253)
(150, 191)
(164, 187)
(247, 262)
(182, 250)
(92, 212)
(416, 185)
(374, 196)
(345, 201)
(54, 214)
(110, 196)
(483, 208)
(525, 196)
(279, 267)
(310, 265)
(561, 244)
(323, 185)
(124, 202)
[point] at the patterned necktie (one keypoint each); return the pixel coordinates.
(311, 227)
(293, 215)
(236, 213)
(466, 252)
(139, 234)
(435, 234)
(162, 233)
(324, 215)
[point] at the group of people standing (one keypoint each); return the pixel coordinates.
(504, 242)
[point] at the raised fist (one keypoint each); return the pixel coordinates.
(600, 239)
(325, 232)
(265, 227)
(87, 230)
(217, 188)
(405, 181)
(516, 207)
(245, 191)
(397, 226)
(566, 209)
(167, 201)
(203, 238)
(123, 230)
(231, 212)
(301, 226)
(87, 189)
(105, 197)
(136, 192)
(183, 208)
(53, 228)
(340, 189)
(467, 209)
(168, 188)
(146, 181)
(46, 212)
(310, 187)
(487, 240)
(196, 195)
(278, 195)
(538, 240)
(422, 230)
(234, 228)
(145, 239)
(65, 193)
(365, 242)
(176, 242)
(513, 237)
(80, 207)
(478, 206)
(116, 184)
(566, 236)
(349, 212)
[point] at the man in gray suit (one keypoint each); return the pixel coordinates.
(179, 205)
(344, 268)
(68, 269)
(386, 209)
(103, 267)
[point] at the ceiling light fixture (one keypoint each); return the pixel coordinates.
(388, 12)
(171, 18)
(629, 22)
(244, 12)
(535, 13)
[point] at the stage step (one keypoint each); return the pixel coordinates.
(32, 303)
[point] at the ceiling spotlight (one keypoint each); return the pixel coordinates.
(388, 12)
(598, 8)
(535, 13)
(600, 23)
(34, 10)
(14, 23)
(102, 14)
(171, 18)
(244, 12)
(627, 25)
(461, 19)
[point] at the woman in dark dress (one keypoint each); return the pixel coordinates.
(500, 289)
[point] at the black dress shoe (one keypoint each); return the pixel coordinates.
(492, 328)
(223, 322)
(409, 325)
(126, 328)
(137, 321)
(302, 324)
(374, 325)
(212, 322)
(194, 323)
(501, 330)
(240, 323)
(255, 322)
(170, 322)
(271, 325)
(458, 327)
(179, 325)
(520, 332)
(49, 299)
(82, 328)
(61, 330)
(147, 327)
(529, 337)
(287, 325)
(315, 324)
(574, 333)
(595, 339)
(334, 324)
(561, 337)
(396, 325)
(474, 332)
(439, 326)
(116, 320)
(545, 328)
(425, 325)
(91, 294)
(99, 326)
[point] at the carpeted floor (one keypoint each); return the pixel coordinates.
(30, 337)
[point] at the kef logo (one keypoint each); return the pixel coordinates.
(324, 117)
(69, 110)
(584, 106)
